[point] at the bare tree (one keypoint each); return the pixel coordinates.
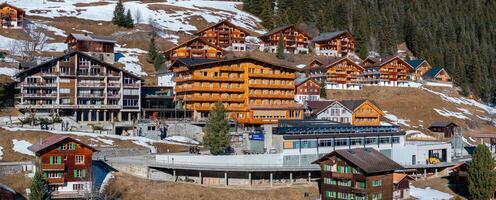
(28, 48)
(138, 16)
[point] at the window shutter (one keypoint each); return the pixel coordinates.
(83, 172)
(75, 173)
(59, 159)
(59, 174)
(45, 174)
(51, 160)
(74, 146)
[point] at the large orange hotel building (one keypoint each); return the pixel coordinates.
(254, 91)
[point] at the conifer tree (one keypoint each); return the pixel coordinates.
(38, 189)
(280, 47)
(129, 23)
(323, 91)
(119, 17)
(152, 50)
(266, 13)
(158, 61)
(216, 137)
(481, 174)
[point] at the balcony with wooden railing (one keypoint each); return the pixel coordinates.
(40, 84)
(272, 76)
(53, 167)
(39, 95)
(208, 89)
(272, 96)
(271, 86)
(56, 181)
(232, 69)
(196, 98)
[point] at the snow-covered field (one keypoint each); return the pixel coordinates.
(428, 194)
(182, 139)
(464, 101)
(21, 146)
(395, 120)
(447, 113)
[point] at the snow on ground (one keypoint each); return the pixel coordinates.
(488, 119)
(465, 101)
(466, 141)
(447, 113)
(21, 146)
(472, 139)
(182, 139)
(170, 37)
(130, 60)
(106, 141)
(301, 66)
(397, 121)
(145, 144)
(106, 180)
(175, 18)
(5, 42)
(428, 194)
(55, 30)
(55, 47)
(385, 124)
(414, 134)
(1, 153)
(8, 71)
(465, 111)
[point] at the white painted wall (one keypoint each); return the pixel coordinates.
(340, 114)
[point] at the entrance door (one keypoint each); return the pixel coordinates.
(414, 159)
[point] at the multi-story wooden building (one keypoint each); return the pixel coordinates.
(195, 48)
(420, 67)
(437, 74)
(11, 16)
(253, 91)
(343, 73)
(66, 163)
(361, 173)
(98, 46)
(295, 41)
(337, 44)
(307, 89)
(317, 67)
(82, 86)
(390, 71)
(226, 35)
(401, 185)
(356, 112)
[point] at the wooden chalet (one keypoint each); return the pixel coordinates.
(196, 48)
(388, 71)
(401, 184)
(225, 35)
(361, 173)
(420, 66)
(337, 44)
(370, 61)
(66, 163)
(254, 91)
(98, 46)
(448, 129)
(343, 71)
(307, 89)
(436, 74)
(11, 16)
(295, 41)
(356, 112)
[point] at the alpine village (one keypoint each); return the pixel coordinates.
(252, 99)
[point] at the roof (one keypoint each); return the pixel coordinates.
(384, 60)
(281, 28)
(415, 63)
(433, 72)
(397, 177)
(79, 53)
(352, 104)
(318, 106)
(52, 140)
(7, 188)
(4, 4)
(336, 61)
(300, 81)
(193, 39)
(329, 35)
(441, 124)
(367, 159)
(92, 37)
(221, 22)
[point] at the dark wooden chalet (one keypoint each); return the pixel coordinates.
(337, 44)
(362, 173)
(401, 183)
(226, 35)
(101, 47)
(11, 16)
(197, 48)
(295, 41)
(447, 128)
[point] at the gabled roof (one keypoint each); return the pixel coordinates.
(352, 104)
(300, 81)
(367, 159)
(433, 72)
(319, 106)
(196, 38)
(226, 21)
(324, 60)
(282, 28)
(343, 59)
(441, 124)
(92, 37)
(71, 53)
(415, 63)
(5, 4)
(53, 140)
(329, 36)
(386, 60)
(398, 177)
(371, 59)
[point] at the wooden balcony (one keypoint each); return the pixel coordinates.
(258, 121)
(132, 85)
(56, 181)
(271, 86)
(208, 89)
(232, 69)
(272, 76)
(208, 108)
(272, 96)
(192, 98)
(53, 167)
(208, 78)
(347, 176)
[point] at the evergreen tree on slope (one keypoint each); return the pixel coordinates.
(216, 137)
(481, 174)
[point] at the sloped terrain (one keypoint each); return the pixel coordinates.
(417, 108)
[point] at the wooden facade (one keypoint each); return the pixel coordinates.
(307, 90)
(101, 47)
(392, 69)
(346, 174)
(195, 48)
(356, 112)
(420, 67)
(337, 44)
(343, 71)
(295, 41)
(11, 16)
(253, 91)
(79, 85)
(437, 74)
(66, 164)
(367, 114)
(225, 35)
(448, 129)
(401, 184)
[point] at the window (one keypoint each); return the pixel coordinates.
(65, 90)
(55, 160)
(384, 140)
(377, 196)
(77, 187)
(79, 173)
(370, 141)
(327, 168)
(79, 159)
(376, 183)
(52, 174)
(395, 140)
(360, 184)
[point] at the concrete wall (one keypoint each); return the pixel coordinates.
(15, 167)
(228, 160)
(137, 170)
(420, 150)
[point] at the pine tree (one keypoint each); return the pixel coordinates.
(158, 61)
(323, 91)
(38, 189)
(129, 23)
(481, 174)
(152, 50)
(280, 47)
(266, 13)
(216, 137)
(119, 17)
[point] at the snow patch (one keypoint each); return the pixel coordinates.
(145, 144)
(106, 181)
(397, 121)
(447, 113)
(21, 146)
(177, 138)
(417, 135)
(8, 71)
(464, 101)
(428, 193)
(130, 60)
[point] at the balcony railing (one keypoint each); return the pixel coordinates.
(212, 99)
(86, 84)
(131, 85)
(275, 96)
(40, 95)
(56, 181)
(90, 96)
(274, 76)
(207, 89)
(271, 86)
(39, 84)
(53, 167)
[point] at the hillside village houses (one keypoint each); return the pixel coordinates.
(11, 16)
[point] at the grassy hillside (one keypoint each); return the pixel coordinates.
(417, 106)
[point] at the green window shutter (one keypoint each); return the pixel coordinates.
(74, 148)
(59, 160)
(51, 160)
(75, 173)
(45, 174)
(59, 174)
(84, 172)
